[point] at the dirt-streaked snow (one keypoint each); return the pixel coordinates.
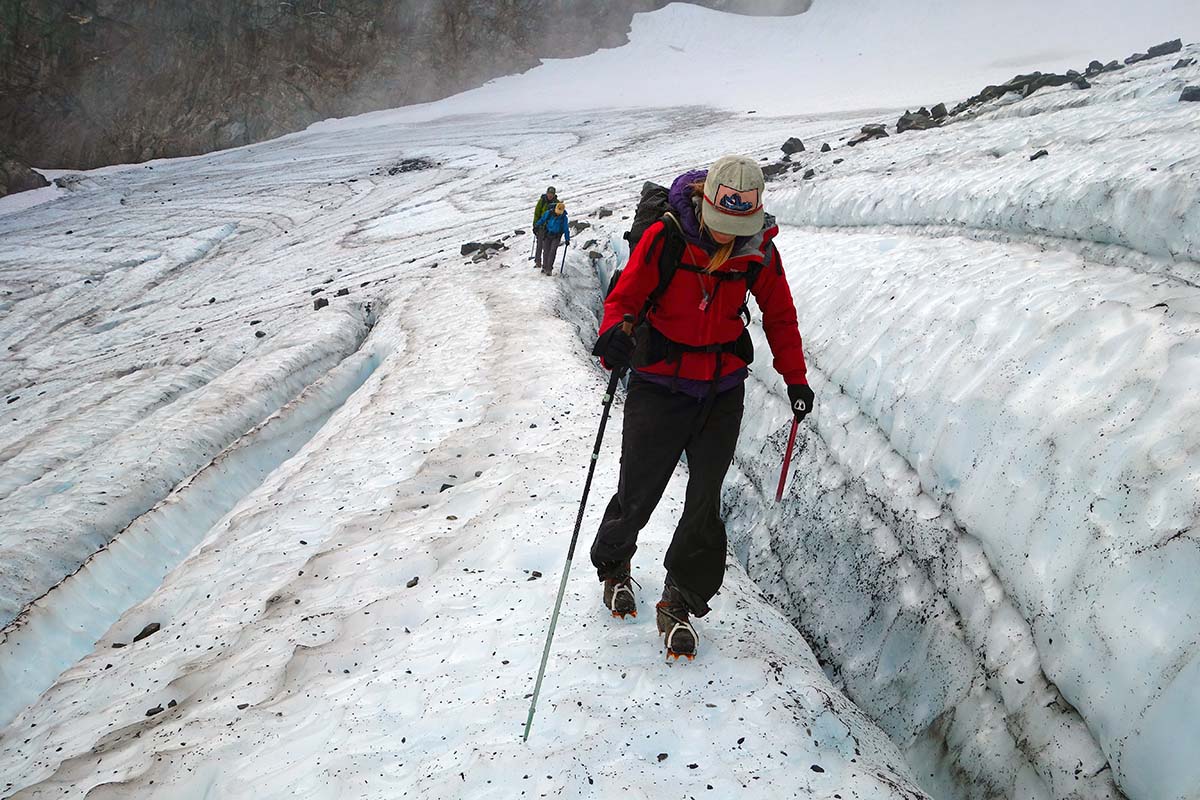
(989, 535)
(296, 655)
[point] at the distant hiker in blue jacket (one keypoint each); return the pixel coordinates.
(554, 226)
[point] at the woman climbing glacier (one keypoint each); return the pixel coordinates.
(686, 286)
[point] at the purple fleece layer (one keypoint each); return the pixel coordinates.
(680, 198)
(695, 388)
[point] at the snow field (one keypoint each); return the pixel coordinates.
(298, 658)
(840, 57)
(1027, 412)
(1123, 169)
(991, 507)
(62, 626)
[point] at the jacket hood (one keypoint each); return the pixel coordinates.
(685, 203)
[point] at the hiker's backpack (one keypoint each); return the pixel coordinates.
(652, 207)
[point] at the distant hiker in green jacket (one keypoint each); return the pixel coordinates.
(545, 203)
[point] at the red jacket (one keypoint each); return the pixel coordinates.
(679, 316)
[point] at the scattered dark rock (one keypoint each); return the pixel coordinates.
(68, 181)
(318, 304)
(808, 174)
(838, 160)
(1024, 85)
(254, 322)
(1081, 83)
(604, 212)
(341, 292)
(12, 399)
(1096, 68)
(916, 121)
(16, 176)
(172, 704)
(868, 133)
(1191, 94)
(519, 232)
(1039, 154)
(662, 756)
(774, 170)
(576, 227)
(148, 631)
(482, 250)
(445, 486)
(156, 710)
(118, 645)
(792, 145)
(595, 255)
(817, 768)
(410, 165)
(259, 334)
(1136, 58)
(825, 148)
(938, 111)
(413, 582)
(1165, 49)
(242, 706)
(589, 244)
(316, 291)
(1184, 62)
(212, 300)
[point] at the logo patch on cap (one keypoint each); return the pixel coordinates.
(735, 201)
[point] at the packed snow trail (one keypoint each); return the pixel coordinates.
(294, 655)
(132, 303)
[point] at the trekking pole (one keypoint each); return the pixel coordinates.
(613, 380)
(563, 267)
(787, 460)
(533, 249)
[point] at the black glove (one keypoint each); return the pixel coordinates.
(801, 398)
(615, 346)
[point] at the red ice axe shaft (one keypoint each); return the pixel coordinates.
(787, 460)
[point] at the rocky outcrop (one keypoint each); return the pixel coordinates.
(868, 133)
(16, 176)
(85, 83)
(920, 120)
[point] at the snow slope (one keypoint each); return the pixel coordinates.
(983, 573)
(293, 655)
(839, 56)
(1007, 456)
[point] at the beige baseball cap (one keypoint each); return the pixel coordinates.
(733, 197)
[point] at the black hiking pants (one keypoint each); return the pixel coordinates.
(659, 426)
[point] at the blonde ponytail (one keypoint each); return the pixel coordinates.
(724, 251)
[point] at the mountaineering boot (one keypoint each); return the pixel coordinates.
(618, 593)
(678, 633)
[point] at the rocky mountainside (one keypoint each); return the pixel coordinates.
(85, 83)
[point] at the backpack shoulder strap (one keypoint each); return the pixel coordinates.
(673, 245)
